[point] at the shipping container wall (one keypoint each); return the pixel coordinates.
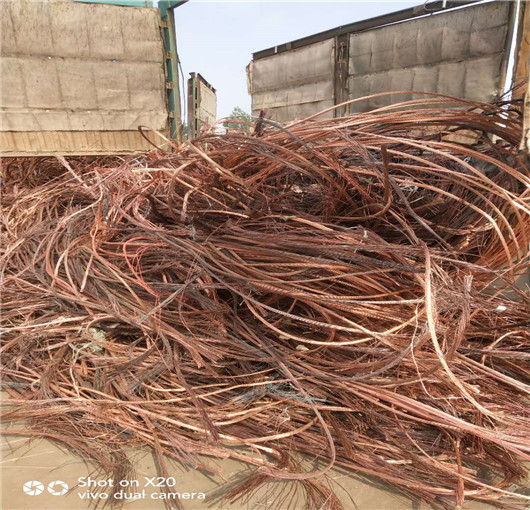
(79, 78)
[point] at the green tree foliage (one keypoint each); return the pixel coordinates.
(238, 114)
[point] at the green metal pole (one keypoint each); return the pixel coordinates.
(173, 89)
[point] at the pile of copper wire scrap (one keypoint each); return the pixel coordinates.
(338, 292)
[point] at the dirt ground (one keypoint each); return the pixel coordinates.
(42, 461)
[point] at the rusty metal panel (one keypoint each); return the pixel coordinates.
(459, 53)
(292, 83)
(69, 66)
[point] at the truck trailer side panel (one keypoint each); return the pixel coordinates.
(295, 83)
(80, 78)
(462, 52)
(458, 53)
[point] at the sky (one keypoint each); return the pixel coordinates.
(217, 38)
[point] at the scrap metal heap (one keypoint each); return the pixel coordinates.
(342, 289)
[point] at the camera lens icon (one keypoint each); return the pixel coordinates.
(58, 488)
(33, 488)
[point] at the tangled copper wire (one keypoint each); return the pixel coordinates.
(344, 289)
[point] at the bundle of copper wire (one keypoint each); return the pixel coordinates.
(340, 290)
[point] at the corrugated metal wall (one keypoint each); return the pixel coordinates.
(460, 52)
(81, 74)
